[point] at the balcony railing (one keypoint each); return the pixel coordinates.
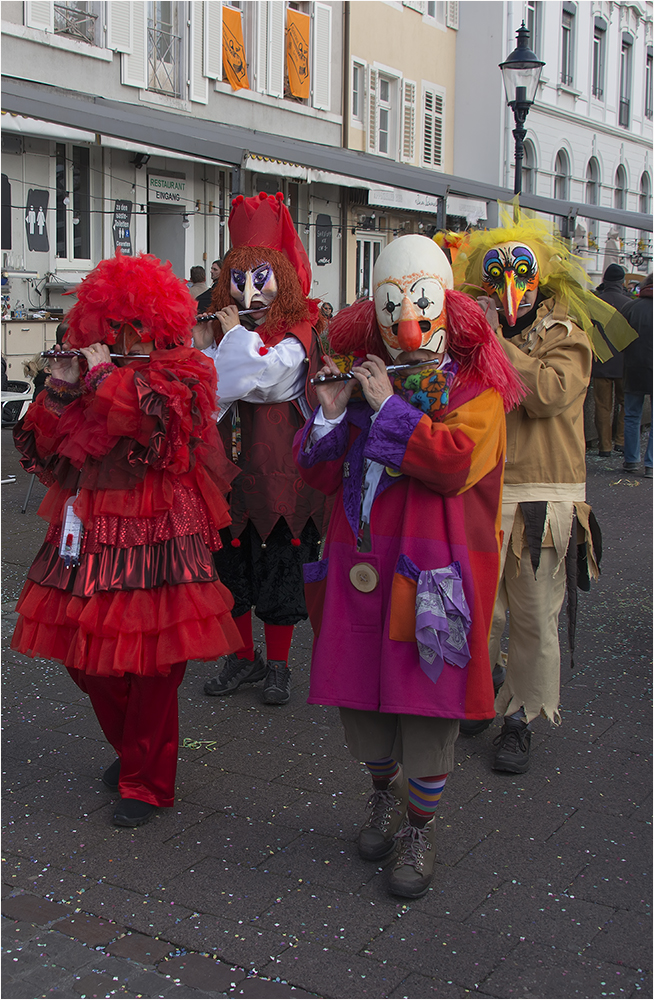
(598, 92)
(623, 114)
(163, 61)
(75, 22)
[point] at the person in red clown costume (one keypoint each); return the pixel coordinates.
(402, 600)
(124, 589)
(265, 349)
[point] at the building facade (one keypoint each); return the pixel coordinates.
(71, 195)
(589, 132)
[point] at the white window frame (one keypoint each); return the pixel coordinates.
(375, 73)
(358, 120)
(70, 261)
(439, 95)
(569, 33)
(439, 18)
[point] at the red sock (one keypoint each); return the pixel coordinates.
(244, 625)
(278, 641)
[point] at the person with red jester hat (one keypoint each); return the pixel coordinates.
(124, 590)
(402, 600)
(266, 348)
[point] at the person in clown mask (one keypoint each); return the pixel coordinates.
(265, 346)
(533, 292)
(124, 590)
(402, 599)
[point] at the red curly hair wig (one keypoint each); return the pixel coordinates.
(126, 289)
(470, 342)
(288, 308)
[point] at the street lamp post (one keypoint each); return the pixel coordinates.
(521, 72)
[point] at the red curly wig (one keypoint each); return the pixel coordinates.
(288, 308)
(470, 342)
(124, 289)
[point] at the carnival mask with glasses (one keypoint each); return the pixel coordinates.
(410, 277)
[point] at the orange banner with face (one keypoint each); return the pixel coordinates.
(234, 61)
(297, 52)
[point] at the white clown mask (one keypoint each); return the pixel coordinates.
(409, 280)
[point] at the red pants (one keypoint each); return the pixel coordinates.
(138, 715)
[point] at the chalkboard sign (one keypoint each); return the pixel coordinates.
(122, 227)
(323, 240)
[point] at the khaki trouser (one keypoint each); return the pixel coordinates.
(534, 660)
(424, 745)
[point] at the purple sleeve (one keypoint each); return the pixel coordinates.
(390, 432)
(329, 448)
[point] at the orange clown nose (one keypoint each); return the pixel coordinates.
(409, 334)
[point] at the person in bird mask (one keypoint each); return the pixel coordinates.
(534, 293)
(410, 438)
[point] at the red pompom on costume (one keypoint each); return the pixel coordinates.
(138, 449)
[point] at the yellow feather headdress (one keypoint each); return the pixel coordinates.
(562, 275)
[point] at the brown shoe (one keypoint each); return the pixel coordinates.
(387, 809)
(413, 870)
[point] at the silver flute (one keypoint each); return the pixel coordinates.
(205, 317)
(78, 354)
(345, 376)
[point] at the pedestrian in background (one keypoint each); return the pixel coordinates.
(198, 282)
(204, 299)
(638, 378)
(607, 375)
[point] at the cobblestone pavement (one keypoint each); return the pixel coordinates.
(251, 884)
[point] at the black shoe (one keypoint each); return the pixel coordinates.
(111, 776)
(619, 448)
(630, 466)
(647, 474)
(133, 812)
(277, 685)
(604, 454)
(473, 727)
(236, 672)
(513, 747)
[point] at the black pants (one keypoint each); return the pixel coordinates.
(269, 578)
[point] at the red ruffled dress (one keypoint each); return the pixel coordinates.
(140, 450)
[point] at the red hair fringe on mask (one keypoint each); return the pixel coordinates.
(123, 289)
(290, 305)
(470, 341)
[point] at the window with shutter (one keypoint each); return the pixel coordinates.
(261, 73)
(415, 5)
(39, 15)
(372, 109)
(134, 65)
(119, 26)
(453, 15)
(199, 85)
(433, 127)
(276, 40)
(213, 40)
(408, 121)
(322, 57)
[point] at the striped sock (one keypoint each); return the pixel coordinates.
(424, 796)
(383, 771)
